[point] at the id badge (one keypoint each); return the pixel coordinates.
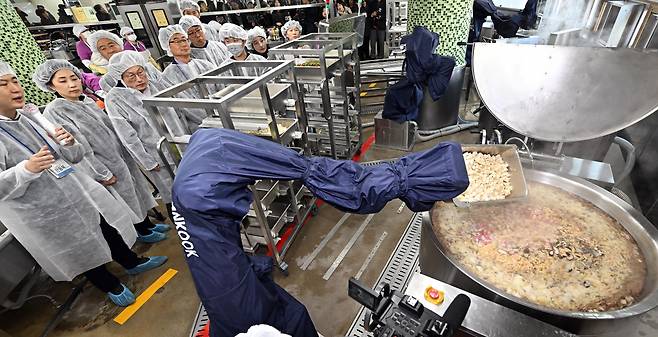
(60, 169)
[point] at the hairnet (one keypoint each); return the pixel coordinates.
(120, 62)
(288, 25)
(6, 69)
(45, 72)
(78, 29)
(165, 34)
(102, 34)
(215, 25)
(188, 21)
(232, 30)
(125, 31)
(188, 4)
(56, 220)
(253, 33)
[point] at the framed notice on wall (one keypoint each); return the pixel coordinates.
(84, 15)
(134, 20)
(160, 17)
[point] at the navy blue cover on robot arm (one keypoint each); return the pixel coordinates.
(423, 68)
(233, 160)
(211, 197)
(422, 65)
(402, 101)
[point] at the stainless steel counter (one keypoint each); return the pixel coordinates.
(485, 318)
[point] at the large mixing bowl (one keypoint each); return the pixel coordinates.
(436, 261)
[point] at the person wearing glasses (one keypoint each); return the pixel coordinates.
(189, 7)
(68, 222)
(132, 122)
(105, 159)
(103, 45)
(212, 51)
(174, 40)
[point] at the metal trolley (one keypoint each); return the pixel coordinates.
(327, 69)
(258, 98)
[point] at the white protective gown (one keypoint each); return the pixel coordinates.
(214, 52)
(56, 220)
(106, 157)
(137, 132)
(251, 71)
(211, 34)
(176, 73)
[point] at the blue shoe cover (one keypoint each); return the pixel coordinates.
(124, 299)
(152, 263)
(161, 228)
(151, 238)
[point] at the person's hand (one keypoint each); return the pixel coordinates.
(156, 168)
(63, 135)
(373, 14)
(40, 161)
(110, 181)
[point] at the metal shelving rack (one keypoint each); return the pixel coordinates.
(376, 77)
(265, 106)
(328, 89)
(396, 22)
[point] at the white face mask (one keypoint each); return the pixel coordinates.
(235, 48)
(131, 37)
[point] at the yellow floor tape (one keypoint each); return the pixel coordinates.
(364, 94)
(372, 85)
(129, 311)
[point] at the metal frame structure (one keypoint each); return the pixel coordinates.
(276, 204)
(396, 23)
(326, 94)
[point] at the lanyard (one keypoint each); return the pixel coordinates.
(52, 151)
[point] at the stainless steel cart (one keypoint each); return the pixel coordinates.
(266, 106)
(327, 69)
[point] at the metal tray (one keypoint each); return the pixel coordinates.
(313, 73)
(252, 103)
(251, 127)
(510, 155)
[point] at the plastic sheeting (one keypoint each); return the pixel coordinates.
(105, 154)
(56, 220)
(214, 52)
(176, 73)
(137, 133)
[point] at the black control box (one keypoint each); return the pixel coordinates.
(392, 314)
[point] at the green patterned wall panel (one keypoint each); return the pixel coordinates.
(451, 19)
(18, 48)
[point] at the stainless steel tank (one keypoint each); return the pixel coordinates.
(436, 262)
(443, 112)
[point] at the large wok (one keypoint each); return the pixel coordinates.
(436, 262)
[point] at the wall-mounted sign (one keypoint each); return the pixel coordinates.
(160, 17)
(84, 15)
(134, 20)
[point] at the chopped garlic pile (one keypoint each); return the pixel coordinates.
(489, 176)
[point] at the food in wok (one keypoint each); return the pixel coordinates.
(553, 249)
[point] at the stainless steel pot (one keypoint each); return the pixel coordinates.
(436, 262)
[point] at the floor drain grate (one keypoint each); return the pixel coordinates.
(398, 270)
